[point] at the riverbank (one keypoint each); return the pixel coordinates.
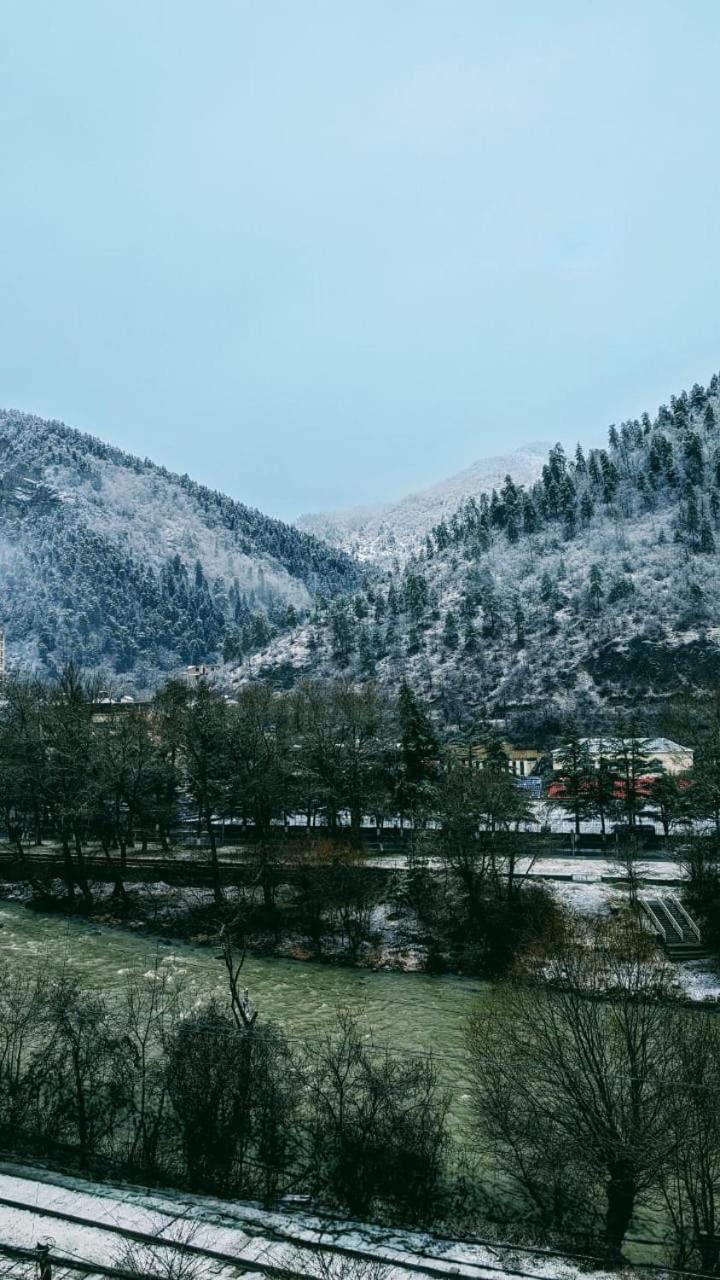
(189, 915)
(181, 915)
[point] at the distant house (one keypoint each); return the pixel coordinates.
(522, 761)
(673, 757)
(201, 672)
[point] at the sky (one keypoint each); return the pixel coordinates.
(325, 253)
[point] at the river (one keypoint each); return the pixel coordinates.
(408, 1012)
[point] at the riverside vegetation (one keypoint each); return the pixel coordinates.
(593, 1096)
(594, 1101)
(102, 780)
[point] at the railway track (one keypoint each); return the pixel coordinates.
(91, 1227)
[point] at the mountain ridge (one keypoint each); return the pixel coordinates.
(595, 587)
(123, 564)
(385, 531)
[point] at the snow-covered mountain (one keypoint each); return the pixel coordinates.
(395, 530)
(594, 590)
(132, 570)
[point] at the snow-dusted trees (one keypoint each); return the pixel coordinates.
(81, 581)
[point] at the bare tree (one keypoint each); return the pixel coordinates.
(584, 1058)
(628, 867)
(171, 1258)
(244, 1015)
(691, 1182)
(149, 1008)
(377, 1127)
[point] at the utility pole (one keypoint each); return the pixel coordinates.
(2, 656)
(44, 1263)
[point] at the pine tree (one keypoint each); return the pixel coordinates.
(470, 639)
(416, 595)
(596, 589)
(692, 518)
(494, 757)
(366, 656)
(451, 635)
(419, 743)
(519, 620)
(587, 508)
(572, 785)
(707, 540)
(610, 478)
(548, 591)
(697, 397)
(693, 458)
(529, 515)
(631, 765)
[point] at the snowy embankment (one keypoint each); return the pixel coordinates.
(595, 893)
(96, 1224)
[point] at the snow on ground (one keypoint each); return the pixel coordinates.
(244, 1233)
(574, 867)
(698, 980)
(391, 531)
(581, 868)
(585, 899)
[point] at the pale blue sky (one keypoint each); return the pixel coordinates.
(323, 253)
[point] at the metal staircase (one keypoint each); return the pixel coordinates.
(668, 919)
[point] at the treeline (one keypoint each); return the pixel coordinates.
(81, 769)
(621, 780)
(94, 776)
(72, 590)
(592, 1098)
(675, 455)
(33, 445)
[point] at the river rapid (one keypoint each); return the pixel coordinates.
(407, 1012)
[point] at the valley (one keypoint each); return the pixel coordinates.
(323, 846)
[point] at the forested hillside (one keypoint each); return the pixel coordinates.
(133, 570)
(397, 530)
(597, 585)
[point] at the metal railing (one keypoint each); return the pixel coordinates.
(657, 926)
(677, 904)
(677, 927)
